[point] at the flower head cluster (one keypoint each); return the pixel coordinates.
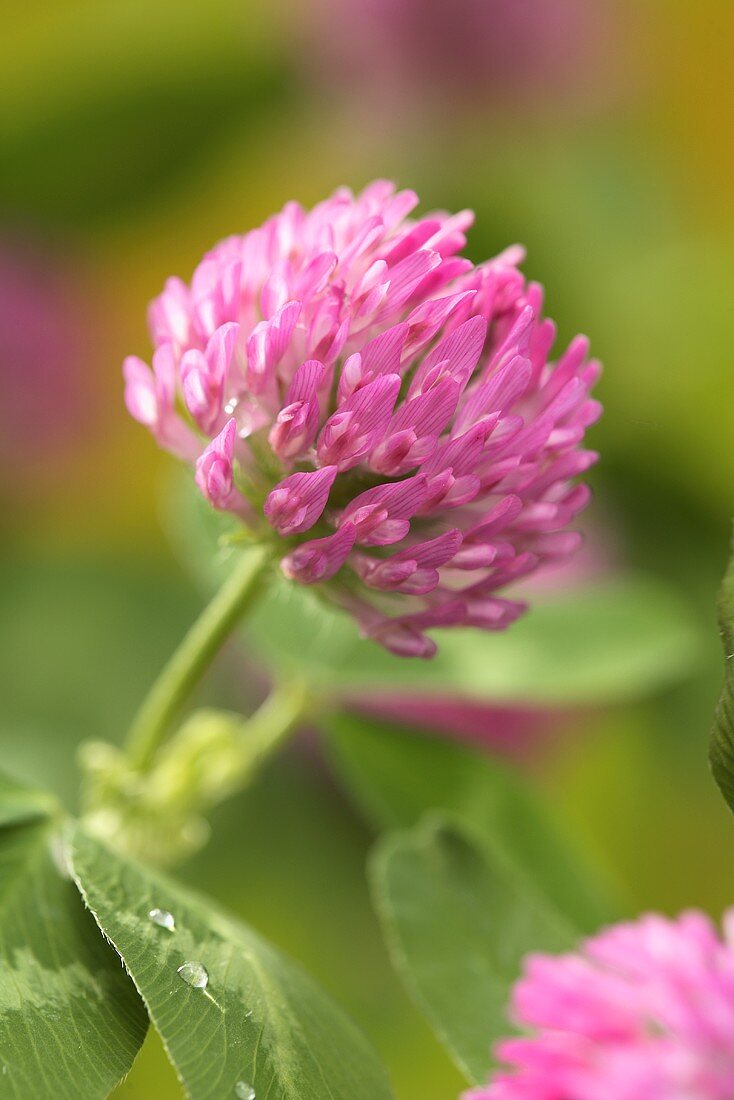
(382, 409)
(645, 1011)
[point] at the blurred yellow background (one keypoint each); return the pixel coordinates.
(135, 133)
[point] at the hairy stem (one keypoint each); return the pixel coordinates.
(190, 661)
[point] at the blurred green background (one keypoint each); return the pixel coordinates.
(133, 135)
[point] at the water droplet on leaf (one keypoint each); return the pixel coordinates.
(243, 1091)
(194, 974)
(163, 919)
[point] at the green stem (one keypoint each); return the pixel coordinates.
(225, 752)
(284, 710)
(192, 658)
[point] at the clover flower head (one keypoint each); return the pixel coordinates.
(379, 408)
(644, 1011)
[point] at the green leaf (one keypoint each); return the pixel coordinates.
(608, 642)
(722, 735)
(20, 803)
(459, 918)
(260, 1020)
(396, 776)
(600, 644)
(71, 1022)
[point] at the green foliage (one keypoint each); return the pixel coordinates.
(19, 803)
(610, 642)
(70, 1020)
(396, 776)
(259, 1020)
(722, 734)
(80, 642)
(476, 874)
(459, 917)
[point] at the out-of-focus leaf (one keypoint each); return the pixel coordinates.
(397, 776)
(110, 155)
(259, 1019)
(19, 803)
(71, 1022)
(604, 643)
(95, 117)
(459, 918)
(81, 641)
(722, 734)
